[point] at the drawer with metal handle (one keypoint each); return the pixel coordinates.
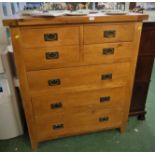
(104, 76)
(108, 53)
(49, 36)
(50, 57)
(47, 103)
(76, 123)
(108, 33)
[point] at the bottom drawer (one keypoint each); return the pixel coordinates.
(84, 121)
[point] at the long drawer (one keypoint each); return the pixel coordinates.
(107, 53)
(44, 58)
(103, 75)
(49, 103)
(75, 123)
(49, 36)
(104, 33)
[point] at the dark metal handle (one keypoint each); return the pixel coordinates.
(108, 51)
(105, 99)
(50, 36)
(54, 82)
(56, 105)
(52, 55)
(58, 126)
(109, 34)
(103, 119)
(106, 76)
(1, 89)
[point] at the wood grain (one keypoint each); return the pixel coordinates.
(35, 58)
(86, 120)
(78, 76)
(34, 37)
(70, 101)
(18, 20)
(94, 34)
(82, 73)
(94, 54)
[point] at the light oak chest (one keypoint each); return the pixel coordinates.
(76, 76)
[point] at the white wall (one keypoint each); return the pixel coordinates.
(3, 39)
(9, 11)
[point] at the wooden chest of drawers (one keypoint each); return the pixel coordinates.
(75, 76)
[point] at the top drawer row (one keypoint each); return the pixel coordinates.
(70, 35)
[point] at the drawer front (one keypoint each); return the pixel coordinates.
(44, 58)
(107, 53)
(102, 75)
(104, 33)
(44, 37)
(84, 121)
(49, 103)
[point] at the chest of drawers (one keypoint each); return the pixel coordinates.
(76, 76)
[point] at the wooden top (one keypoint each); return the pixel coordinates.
(18, 20)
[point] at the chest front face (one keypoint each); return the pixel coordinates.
(76, 78)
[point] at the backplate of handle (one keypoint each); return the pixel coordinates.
(52, 55)
(109, 34)
(54, 82)
(1, 89)
(50, 36)
(104, 99)
(107, 76)
(108, 51)
(103, 119)
(58, 126)
(56, 105)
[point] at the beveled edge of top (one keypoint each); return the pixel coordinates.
(19, 20)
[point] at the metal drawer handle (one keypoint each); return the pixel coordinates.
(103, 119)
(1, 89)
(52, 55)
(50, 36)
(106, 76)
(105, 99)
(54, 82)
(56, 105)
(108, 51)
(109, 34)
(58, 126)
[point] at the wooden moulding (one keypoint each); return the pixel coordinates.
(18, 20)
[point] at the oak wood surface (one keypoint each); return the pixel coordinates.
(35, 58)
(83, 121)
(94, 54)
(34, 37)
(42, 103)
(82, 83)
(18, 20)
(78, 76)
(94, 34)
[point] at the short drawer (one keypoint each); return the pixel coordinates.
(49, 103)
(51, 36)
(75, 123)
(50, 57)
(107, 53)
(104, 33)
(87, 76)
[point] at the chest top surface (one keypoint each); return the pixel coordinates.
(19, 20)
